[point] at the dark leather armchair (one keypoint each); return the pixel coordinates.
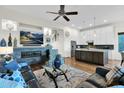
(96, 80)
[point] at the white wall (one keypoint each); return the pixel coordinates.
(59, 43)
(118, 27)
(74, 35)
(21, 18)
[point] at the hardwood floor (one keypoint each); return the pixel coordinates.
(88, 67)
(35, 67)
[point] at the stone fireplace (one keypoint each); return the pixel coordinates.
(30, 55)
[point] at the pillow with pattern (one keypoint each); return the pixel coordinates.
(114, 74)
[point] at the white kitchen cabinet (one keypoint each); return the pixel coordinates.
(104, 36)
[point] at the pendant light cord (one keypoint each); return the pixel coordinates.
(94, 26)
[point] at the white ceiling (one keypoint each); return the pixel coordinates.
(85, 16)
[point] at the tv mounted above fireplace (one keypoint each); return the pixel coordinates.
(31, 38)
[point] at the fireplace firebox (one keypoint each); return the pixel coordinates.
(31, 55)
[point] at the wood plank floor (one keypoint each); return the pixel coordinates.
(88, 67)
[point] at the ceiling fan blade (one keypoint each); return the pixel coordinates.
(62, 7)
(56, 18)
(52, 12)
(71, 13)
(66, 18)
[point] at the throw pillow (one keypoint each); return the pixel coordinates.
(13, 65)
(113, 75)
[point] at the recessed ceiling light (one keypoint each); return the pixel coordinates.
(72, 25)
(80, 27)
(90, 24)
(105, 21)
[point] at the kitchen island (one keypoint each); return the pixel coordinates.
(94, 56)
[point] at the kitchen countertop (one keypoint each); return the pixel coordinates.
(92, 50)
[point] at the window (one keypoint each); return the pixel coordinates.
(121, 41)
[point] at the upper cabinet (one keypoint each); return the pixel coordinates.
(104, 36)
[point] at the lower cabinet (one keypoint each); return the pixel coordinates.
(77, 55)
(100, 58)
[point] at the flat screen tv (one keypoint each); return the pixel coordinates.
(31, 38)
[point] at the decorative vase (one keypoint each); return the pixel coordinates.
(48, 39)
(3, 43)
(9, 40)
(57, 61)
(15, 42)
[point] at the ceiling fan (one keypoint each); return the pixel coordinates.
(62, 13)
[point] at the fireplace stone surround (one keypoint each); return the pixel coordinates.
(30, 55)
(34, 55)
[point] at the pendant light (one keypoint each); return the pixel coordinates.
(94, 34)
(84, 36)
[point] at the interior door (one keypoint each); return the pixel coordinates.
(73, 48)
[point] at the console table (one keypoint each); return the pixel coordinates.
(95, 56)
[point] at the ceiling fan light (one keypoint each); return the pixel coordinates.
(62, 13)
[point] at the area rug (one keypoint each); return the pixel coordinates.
(74, 75)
